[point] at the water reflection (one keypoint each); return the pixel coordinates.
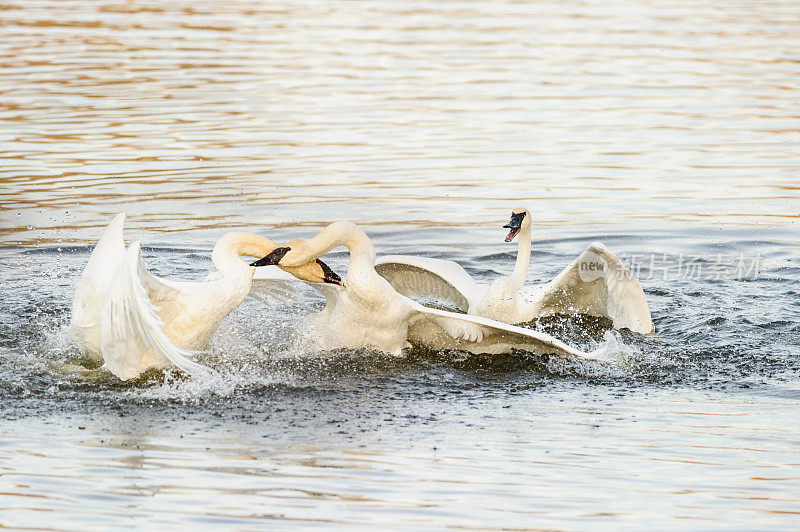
(244, 113)
(161, 470)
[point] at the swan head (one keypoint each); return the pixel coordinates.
(312, 272)
(519, 219)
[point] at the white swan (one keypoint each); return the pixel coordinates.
(134, 320)
(597, 283)
(365, 311)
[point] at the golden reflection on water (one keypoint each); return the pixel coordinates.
(245, 113)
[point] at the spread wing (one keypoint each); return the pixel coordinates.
(440, 329)
(422, 277)
(96, 277)
(599, 284)
(131, 335)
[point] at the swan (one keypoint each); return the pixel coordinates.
(133, 320)
(597, 283)
(365, 311)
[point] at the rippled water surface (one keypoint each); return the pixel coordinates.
(666, 130)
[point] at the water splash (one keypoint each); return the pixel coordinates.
(178, 387)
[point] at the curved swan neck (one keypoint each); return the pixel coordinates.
(523, 255)
(231, 246)
(346, 234)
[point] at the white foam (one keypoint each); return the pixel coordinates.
(612, 357)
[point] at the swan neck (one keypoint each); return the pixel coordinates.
(362, 252)
(523, 257)
(337, 234)
(232, 246)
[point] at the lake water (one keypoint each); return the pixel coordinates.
(668, 131)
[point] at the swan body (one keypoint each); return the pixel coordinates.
(597, 283)
(366, 311)
(134, 320)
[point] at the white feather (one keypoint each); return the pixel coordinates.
(93, 284)
(368, 312)
(442, 280)
(131, 335)
(616, 294)
(135, 320)
(484, 335)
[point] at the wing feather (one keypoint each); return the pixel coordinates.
(96, 276)
(131, 334)
(483, 335)
(422, 277)
(615, 294)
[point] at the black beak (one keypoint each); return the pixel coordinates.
(514, 224)
(273, 258)
(330, 275)
(516, 221)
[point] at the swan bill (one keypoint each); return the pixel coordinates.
(321, 274)
(273, 258)
(330, 276)
(514, 224)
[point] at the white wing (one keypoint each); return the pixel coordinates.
(131, 335)
(96, 277)
(607, 289)
(437, 279)
(440, 329)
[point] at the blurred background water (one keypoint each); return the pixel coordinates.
(667, 130)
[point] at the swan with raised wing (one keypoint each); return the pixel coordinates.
(134, 320)
(365, 311)
(597, 283)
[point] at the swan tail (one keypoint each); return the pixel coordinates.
(131, 335)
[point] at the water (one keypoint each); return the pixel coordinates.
(668, 131)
